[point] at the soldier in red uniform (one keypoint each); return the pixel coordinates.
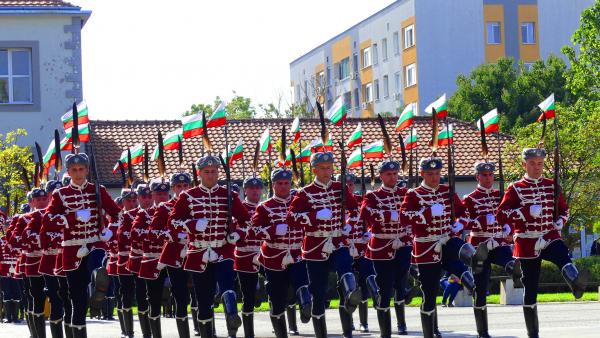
(139, 226)
(427, 210)
(11, 293)
(75, 206)
(481, 205)
(528, 206)
(173, 254)
(152, 241)
(246, 256)
(126, 281)
(202, 212)
(390, 244)
(15, 253)
(357, 241)
(111, 265)
(317, 209)
(280, 253)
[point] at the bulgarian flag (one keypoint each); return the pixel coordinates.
(296, 129)
(441, 107)
(170, 142)
(84, 136)
(304, 155)
(356, 137)
(218, 118)
(265, 141)
(236, 153)
(49, 157)
(192, 125)
(410, 141)
(373, 150)
(490, 121)
(547, 106)
(406, 118)
(288, 159)
(137, 156)
(337, 113)
(317, 145)
(355, 160)
(82, 113)
(446, 136)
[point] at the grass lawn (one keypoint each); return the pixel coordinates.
(491, 299)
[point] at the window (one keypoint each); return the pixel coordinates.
(376, 90)
(493, 33)
(384, 49)
(344, 69)
(366, 60)
(397, 82)
(297, 93)
(347, 99)
(411, 75)
(355, 63)
(528, 66)
(528, 32)
(375, 54)
(409, 36)
(356, 100)
(368, 93)
(321, 80)
(15, 76)
(386, 87)
(396, 44)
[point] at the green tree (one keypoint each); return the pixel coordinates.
(14, 158)
(238, 108)
(512, 88)
(584, 76)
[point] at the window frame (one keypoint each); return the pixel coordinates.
(34, 74)
(384, 49)
(10, 77)
(366, 56)
(526, 24)
(490, 24)
(386, 87)
(410, 28)
(407, 69)
(374, 54)
(368, 94)
(396, 43)
(376, 91)
(340, 68)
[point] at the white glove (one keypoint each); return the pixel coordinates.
(457, 227)
(394, 216)
(535, 210)
(233, 237)
(346, 230)
(181, 235)
(201, 224)
(83, 251)
(106, 235)
(83, 215)
(558, 225)
(281, 229)
(437, 210)
(506, 230)
(490, 219)
(324, 214)
(367, 235)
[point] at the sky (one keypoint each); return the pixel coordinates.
(153, 59)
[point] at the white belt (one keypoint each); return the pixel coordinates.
(389, 236)
(323, 233)
(51, 252)
(248, 249)
(151, 255)
(33, 254)
(73, 242)
(207, 244)
(285, 246)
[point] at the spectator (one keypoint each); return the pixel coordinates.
(451, 285)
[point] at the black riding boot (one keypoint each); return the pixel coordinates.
(291, 319)
(481, 322)
(531, 321)
(155, 327)
(39, 322)
(363, 315)
(183, 327)
(206, 329)
(428, 323)
(145, 324)
(320, 326)
(248, 323)
(195, 322)
(232, 318)
(385, 323)
(121, 323)
(305, 302)
(128, 322)
(351, 292)
(346, 320)
(278, 323)
(400, 318)
(576, 280)
(79, 332)
(56, 329)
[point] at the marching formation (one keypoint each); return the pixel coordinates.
(214, 245)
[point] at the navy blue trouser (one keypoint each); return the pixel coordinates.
(63, 292)
(279, 282)
(205, 283)
(179, 290)
(78, 281)
(154, 289)
(141, 294)
(52, 290)
(364, 268)
(127, 290)
(318, 271)
(36, 291)
(11, 291)
(557, 253)
(248, 281)
(501, 256)
(392, 273)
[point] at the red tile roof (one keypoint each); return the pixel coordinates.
(110, 138)
(36, 3)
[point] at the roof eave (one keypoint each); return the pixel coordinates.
(35, 11)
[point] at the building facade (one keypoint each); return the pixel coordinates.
(40, 65)
(413, 50)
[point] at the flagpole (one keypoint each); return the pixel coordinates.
(301, 161)
(269, 174)
(416, 164)
(363, 186)
(243, 167)
(410, 162)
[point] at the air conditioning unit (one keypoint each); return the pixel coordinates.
(397, 96)
(353, 76)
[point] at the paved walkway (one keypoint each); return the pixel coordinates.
(577, 320)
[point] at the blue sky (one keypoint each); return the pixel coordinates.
(152, 59)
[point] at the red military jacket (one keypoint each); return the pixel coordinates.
(429, 232)
(277, 252)
(247, 251)
(174, 249)
(124, 240)
(152, 240)
(139, 230)
(15, 240)
(75, 206)
(388, 235)
(210, 204)
(8, 258)
(31, 243)
(356, 238)
(321, 237)
(51, 237)
(478, 204)
(531, 234)
(113, 247)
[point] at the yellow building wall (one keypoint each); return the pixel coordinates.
(493, 13)
(409, 56)
(341, 49)
(529, 52)
(366, 76)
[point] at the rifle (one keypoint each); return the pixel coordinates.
(556, 170)
(451, 187)
(230, 226)
(58, 161)
(343, 181)
(96, 181)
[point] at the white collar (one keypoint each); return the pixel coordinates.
(533, 180)
(252, 204)
(386, 189)
(281, 199)
(428, 187)
(79, 187)
(321, 184)
(206, 189)
(483, 189)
